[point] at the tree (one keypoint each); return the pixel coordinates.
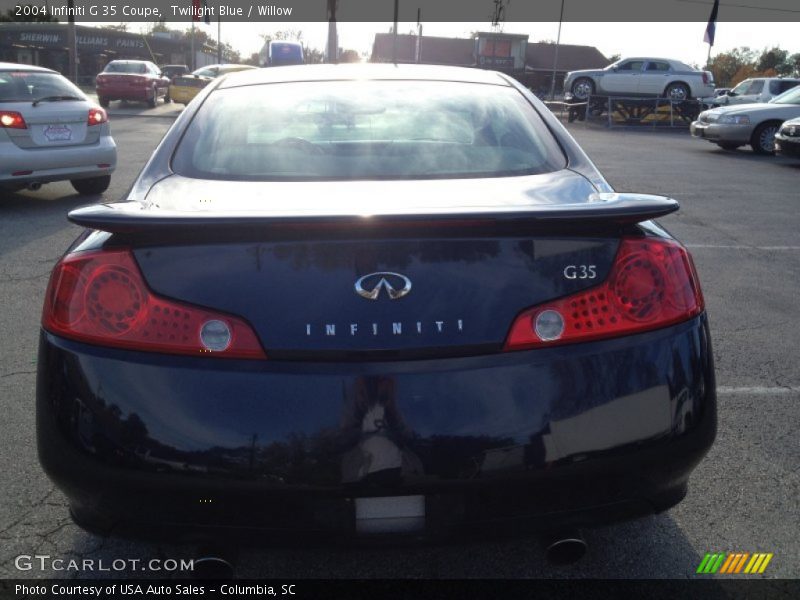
(794, 61)
(774, 59)
(120, 27)
(726, 65)
(614, 57)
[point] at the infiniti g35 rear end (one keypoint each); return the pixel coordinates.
(393, 300)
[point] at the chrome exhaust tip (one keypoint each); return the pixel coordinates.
(565, 547)
(34, 186)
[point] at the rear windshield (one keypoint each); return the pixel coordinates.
(26, 86)
(120, 67)
(366, 130)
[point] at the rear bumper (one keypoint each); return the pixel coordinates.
(123, 92)
(578, 435)
(183, 95)
(56, 163)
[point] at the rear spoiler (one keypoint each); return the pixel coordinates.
(601, 208)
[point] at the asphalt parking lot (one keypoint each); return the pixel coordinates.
(740, 219)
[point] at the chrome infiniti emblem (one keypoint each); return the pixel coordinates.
(400, 285)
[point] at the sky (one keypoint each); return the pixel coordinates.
(681, 41)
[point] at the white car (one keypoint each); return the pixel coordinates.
(755, 125)
(50, 131)
(657, 77)
(756, 89)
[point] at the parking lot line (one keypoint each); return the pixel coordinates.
(758, 390)
(745, 247)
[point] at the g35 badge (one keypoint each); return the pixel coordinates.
(580, 271)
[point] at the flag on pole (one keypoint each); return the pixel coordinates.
(711, 28)
(200, 8)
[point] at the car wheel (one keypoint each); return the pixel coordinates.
(728, 145)
(152, 101)
(763, 138)
(582, 88)
(92, 185)
(677, 92)
(104, 102)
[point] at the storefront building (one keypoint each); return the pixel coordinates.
(45, 45)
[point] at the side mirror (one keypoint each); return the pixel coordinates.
(731, 93)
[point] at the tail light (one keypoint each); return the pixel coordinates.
(706, 77)
(100, 297)
(10, 119)
(652, 284)
(97, 116)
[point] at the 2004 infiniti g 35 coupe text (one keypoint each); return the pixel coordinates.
(372, 299)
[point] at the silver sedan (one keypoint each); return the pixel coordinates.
(50, 131)
(755, 124)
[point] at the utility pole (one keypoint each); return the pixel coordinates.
(72, 43)
(333, 42)
(555, 55)
(394, 35)
(219, 38)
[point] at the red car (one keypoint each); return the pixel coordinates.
(137, 80)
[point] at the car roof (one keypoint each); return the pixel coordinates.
(362, 71)
(127, 60)
(7, 66)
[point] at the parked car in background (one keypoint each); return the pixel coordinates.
(172, 71)
(755, 124)
(721, 91)
(551, 363)
(185, 87)
(50, 131)
(787, 140)
(136, 80)
(659, 77)
(756, 89)
(285, 53)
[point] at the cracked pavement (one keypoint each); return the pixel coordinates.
(743, 497)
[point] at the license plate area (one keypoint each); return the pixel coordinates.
(57, 132)
(390, 514)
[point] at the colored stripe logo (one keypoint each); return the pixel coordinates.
(734, 563)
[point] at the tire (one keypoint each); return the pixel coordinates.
(104, 102)
(763, 139)
(728, 145)
(677, 92)
(582, 88)
(91, 186)
(152, 101)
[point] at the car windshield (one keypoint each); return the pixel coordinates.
(125, 67)
(26, 86)
(791, 96)
(366, 130)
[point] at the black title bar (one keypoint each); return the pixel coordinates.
(279, 11)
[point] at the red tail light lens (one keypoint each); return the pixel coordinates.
(10, 119)
(652, 284)
(97, 116)
(101, 298)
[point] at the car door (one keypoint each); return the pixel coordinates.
(654, 78)
(624, 79)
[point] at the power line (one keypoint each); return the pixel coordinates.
(748, 6)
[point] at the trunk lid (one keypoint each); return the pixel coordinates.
(53, 124)
(374, 269)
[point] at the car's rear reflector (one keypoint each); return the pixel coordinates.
(652, 284)
(100, 297)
